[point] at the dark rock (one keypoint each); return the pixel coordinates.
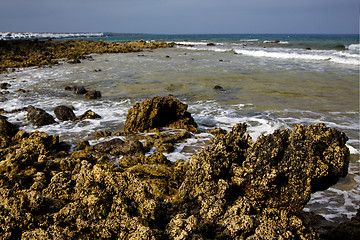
(39, 117)
(211, 44)
(88, 115)
(4, 85)
(3, 99)
(76, 89)
(93, 95)
(218, 87)
(7, 130)
(117, 147)
(64, 113)
(159, 112)
(349, 230)
(82, 145)
(21, 90)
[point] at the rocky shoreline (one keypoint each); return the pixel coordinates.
(233, 189)
(124, 187)
(27, 53)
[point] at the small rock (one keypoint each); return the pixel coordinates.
(4, 85)
(218, 87)
(64, 113)
(88, 115)
(76, 89)
(93, 95)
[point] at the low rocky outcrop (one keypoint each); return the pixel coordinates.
(233, 189)
(64, 113)
(27, 53)
(39, 117)
(159, 112)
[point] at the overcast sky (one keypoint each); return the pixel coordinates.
(180, 16)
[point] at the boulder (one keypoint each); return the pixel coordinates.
(64, 113)
(39, 117)
(93, 94)
(159, 112)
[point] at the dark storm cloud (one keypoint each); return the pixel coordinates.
(187, 16)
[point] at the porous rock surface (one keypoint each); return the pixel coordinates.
(232, 189)
(159, 112)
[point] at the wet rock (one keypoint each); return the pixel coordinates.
(218, 87)
(64, 113)
(211, 44)
(4, 85)
(89, 114)
(159, 112)
(20, 90)
(349, 230)
(39, 117)
(101, 134)
(76, 89)
(7, 131)
(93, 94)
(117, 147)
(3, 99)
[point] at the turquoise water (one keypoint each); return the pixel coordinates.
(269, 81)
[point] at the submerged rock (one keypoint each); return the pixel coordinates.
(39, 117)
(159, 112)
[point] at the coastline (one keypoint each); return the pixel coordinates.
(27, 53)
(149, 173)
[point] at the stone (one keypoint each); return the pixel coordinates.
(117, 147)
(93, 94)
(39, 117)
(77, 89)
(4, 85)
(89, 114)
(64, 113)
(159, 112)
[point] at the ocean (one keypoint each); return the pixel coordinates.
(269, 81)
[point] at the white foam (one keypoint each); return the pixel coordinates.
(355, 47)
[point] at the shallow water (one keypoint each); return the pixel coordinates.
(265, 92)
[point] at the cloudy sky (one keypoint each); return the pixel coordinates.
(180, 16)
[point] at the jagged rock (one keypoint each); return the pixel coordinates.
(64, 113)
(232, 189)
(39, 117)
(101, 134)
(89, 114)
(159, 112)
(241, 188)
